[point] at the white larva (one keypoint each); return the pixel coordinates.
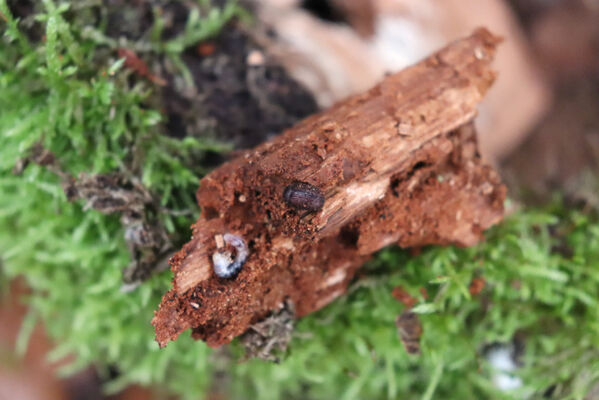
(225, 266)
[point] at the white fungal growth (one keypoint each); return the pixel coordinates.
(225, 266)
(501, 358)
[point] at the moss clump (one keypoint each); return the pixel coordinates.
(542, 279)
(70, 94)
(66, 92)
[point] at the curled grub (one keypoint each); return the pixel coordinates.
(225, 266)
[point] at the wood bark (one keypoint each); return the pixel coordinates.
(397, 164)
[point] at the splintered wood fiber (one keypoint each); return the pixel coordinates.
(397, 164)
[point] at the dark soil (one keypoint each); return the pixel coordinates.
(232, 100)
(240, 103)
(247, 104)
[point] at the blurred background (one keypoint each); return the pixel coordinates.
(539, 124)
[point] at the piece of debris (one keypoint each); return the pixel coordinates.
(379, 187)
(206, 49)
(146, 237)
(401, 295)
(409, 329)
(255, 58)
(271, 336)
(41, 156)
(477, 285)
(133, 62)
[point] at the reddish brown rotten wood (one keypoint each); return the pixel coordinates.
(397, 164)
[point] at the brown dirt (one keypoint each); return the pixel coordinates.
(244, 102)
(397, 164)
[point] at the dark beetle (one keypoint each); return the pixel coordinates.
(304, 196)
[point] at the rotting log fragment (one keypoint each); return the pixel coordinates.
(397, 164)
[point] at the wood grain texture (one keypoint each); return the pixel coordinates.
(397, 164)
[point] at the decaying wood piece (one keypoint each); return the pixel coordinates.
(397, 164)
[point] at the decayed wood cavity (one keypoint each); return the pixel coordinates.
(397, 164)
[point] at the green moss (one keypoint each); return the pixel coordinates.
(351, 347)
(81, 107)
